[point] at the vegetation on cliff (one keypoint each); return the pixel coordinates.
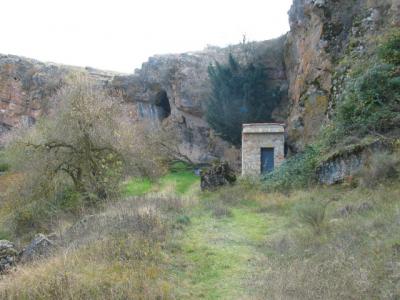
(370, 101)
(367, 108)
(240, 94)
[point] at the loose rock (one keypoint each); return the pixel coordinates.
(40, 247)
(217, 175)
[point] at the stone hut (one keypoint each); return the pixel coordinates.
(263, 147)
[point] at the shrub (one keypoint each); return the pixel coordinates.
(240, 94)
(370, 100)
(4, 167)
(70, 200)
(87, 144)
(312, 213)
(183, 220)
(296, 172)
(5, 235)
(390, 50)
(31, 218)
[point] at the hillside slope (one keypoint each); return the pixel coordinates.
(239, 243)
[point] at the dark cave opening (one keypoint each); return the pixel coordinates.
(162, 102)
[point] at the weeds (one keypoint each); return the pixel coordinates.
(354, 259)
(116, 254)
(381, 167)
(312, 213)
(221, 211)
(296, 172)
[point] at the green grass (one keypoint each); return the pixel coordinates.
(180, 179)
(137, 187)
(257, 248)
(217, 254)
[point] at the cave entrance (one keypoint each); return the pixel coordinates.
(162, 102)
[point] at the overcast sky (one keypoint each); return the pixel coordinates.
(119, 35)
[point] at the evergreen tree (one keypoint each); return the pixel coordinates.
(240, 94)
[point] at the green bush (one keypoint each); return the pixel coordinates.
(183, 220)
(370, 100)
(4, 167)
(240, 94)
(31, 219)
(38, 216)
(295, 172)
(390, 50)
(5, 235)
(70, 201)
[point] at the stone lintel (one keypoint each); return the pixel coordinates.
(264, 128)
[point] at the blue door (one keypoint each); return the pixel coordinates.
(267, 160)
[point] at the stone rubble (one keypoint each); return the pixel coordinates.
(8, 256)
(217, 175)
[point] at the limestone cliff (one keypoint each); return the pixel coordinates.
(173, 89)
(322, 33)
(168, 89)
(27, 85)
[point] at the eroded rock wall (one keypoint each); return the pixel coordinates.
(173, 89)
(183, 80)
(170, 90)
(27, 85)
(320, 36)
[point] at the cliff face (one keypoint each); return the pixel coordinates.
(176, 87)
(169, 89)
(322, 33)
(173, 89)
(27, 85)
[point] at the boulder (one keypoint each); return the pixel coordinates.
(41, 246)
(217, 175)
(8, 255)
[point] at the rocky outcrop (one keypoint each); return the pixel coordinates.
(321, 33)
(41, 246)
(171, 90)
(27, 85)
(338, 166)
(8, 256)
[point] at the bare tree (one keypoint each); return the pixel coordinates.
(87, 143)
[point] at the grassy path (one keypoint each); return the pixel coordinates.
(218, 254)
(213, 257)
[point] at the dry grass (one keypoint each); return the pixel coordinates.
(237, 243)
(382, 166)
(113, 255)
(353, 257)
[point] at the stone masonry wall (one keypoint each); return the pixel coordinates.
(251, 150)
